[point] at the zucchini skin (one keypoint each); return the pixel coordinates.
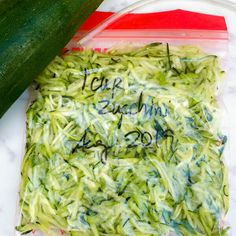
(6, 5)
(31, 35)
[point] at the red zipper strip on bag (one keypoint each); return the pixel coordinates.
(176, 19)
(159, 24)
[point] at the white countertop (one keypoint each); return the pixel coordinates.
(12, 136)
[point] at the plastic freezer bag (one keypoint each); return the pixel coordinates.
(127, 139)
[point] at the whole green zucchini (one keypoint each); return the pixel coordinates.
(32, 33)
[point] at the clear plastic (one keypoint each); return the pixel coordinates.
(129, 142)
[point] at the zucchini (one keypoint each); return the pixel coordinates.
(120, 143)
(5, 5)
(32, 33)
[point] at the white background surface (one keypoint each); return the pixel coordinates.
(12, 132)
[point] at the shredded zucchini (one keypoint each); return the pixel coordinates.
(126, 143)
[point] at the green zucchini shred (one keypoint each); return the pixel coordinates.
(126, 142)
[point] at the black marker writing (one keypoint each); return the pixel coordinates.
(106, 106)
